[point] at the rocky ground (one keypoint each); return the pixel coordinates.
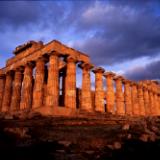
(27, 137)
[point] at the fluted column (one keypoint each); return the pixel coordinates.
(99, 92)
(26, 98)
(141, 100)
(2, 85)
(70, 83)
(38, 92)
(53, 81)
(7, 92)
(151, 105)
(86, 99)
(135, 104)
(110, 95)
(119, 96)
(17, 85)
(127, 96)
(146, 101)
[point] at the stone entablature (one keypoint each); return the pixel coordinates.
(42, 78)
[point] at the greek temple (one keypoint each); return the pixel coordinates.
(43, 78)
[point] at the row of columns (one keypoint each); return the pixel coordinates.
(129, 98)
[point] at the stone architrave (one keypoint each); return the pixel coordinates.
(110, 95)
(53, 81)
(120, 110)
(99, 92)
(7, 92)
(27, 87)
(17, 85)
(141, 99)
(135, 104)
(38, 91)
(2, 85)
(70, 83)
(127, 96)
(86, 99)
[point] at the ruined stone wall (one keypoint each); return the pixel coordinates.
(31, 82)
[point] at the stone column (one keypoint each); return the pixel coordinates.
(99, 92)
(151, 100)
(127, 96)
(2, 85)
(17, 85)
(53, 81)
(86, 99)
(119, 96)
(27, 87)
(135, 105)
(146, 101)
(7, 92)
(70, 83)
(141, 100)
(38, 92)
(110, 95)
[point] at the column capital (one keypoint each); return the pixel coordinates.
(98, 70)
(54, 53)
(2, 76)
(86, 66)
(71, 59)
(19, 69)
(42, 58)
(109, 74)
(133, 83)
(116, 78)
(126, 81)
(30, 64)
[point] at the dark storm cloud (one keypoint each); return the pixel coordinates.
(150, 71)
(120, 32)
(109, 31)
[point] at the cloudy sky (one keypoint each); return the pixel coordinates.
(119, 35)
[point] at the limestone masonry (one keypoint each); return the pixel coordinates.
(42, 78)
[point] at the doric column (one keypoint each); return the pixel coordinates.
(7, 92)
(70, 83)
(127, 96)
(99, 92)
(17, 85)
(119, 96)
(110, 95)
(151, 100)
(86, 99)
(2, 85)
(39, 83)
(27, 87)
(146, 101)
(141, 100)
(53, 81)
(135, 104)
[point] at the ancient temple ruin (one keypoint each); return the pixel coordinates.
(42, 78)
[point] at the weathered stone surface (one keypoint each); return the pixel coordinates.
(7, 92)
(17, 85)
(127, 96)
(99, 92)
(141, 100)
(86, 99)
(120, 110)
(26, 98)
(38, 93)
(70, 83)
(53, 81)
(135, 104)
(2, 84)
(110, 95)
